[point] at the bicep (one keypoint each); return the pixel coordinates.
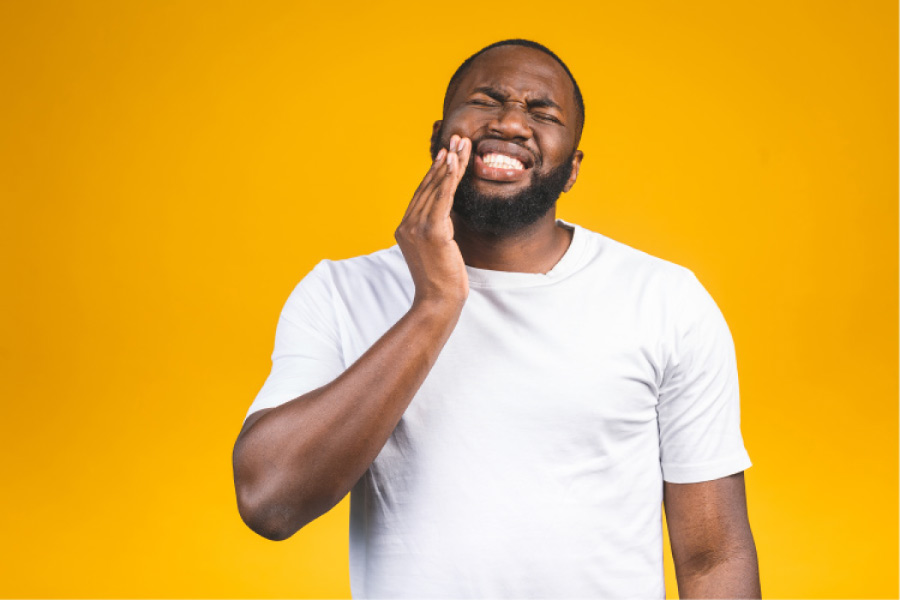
(307, 352)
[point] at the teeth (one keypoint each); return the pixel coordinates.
(501, 161)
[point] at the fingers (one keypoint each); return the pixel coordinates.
(434, 196)
(435, 167)
(464, 151)
(431, 184)
(444, 185)
(421, 195)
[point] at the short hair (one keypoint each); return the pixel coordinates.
(457, 75)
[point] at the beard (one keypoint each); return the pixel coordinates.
(505, 215)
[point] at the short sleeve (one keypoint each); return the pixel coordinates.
(699, 400)
(307, 351)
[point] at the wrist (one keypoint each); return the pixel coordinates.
(438, 307)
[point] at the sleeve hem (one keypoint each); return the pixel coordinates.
(696, 472)
(256, 407)
(273, 399)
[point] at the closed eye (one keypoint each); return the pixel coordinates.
(545, 117)
(479, 102)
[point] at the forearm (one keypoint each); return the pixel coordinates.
(299, 459)
(732, 574)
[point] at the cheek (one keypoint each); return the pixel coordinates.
(465, 123)
(556, 150)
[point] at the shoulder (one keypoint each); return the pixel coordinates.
(379, 266)
(629, 266)
(328, 274)
(370, 280)
(378, 277)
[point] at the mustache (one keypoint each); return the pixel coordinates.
(438, 142)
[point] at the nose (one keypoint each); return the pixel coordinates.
(511, 121)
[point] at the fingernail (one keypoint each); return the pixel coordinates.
(453, 143)
(450, 158)
(440, 155)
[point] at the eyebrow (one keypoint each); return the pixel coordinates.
(501, 96)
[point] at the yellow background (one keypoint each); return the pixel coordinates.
(169, 171)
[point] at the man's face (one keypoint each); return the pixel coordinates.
(517, 106)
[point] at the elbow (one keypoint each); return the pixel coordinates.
(270, 505)
(277, 521)
(701, 563)
(258, 494)
(275, 512)
(272, 520)
(271, 526)
(259, 506)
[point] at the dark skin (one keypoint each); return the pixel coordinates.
(712, 545)
(522, 97)
(294, 462)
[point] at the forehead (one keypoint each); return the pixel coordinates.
(518, 70)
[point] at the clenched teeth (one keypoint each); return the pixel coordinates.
(501, 161)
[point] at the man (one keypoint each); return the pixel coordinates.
(509, 397)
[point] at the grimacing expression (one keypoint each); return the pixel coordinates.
(517, 106)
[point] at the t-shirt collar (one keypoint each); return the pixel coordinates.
(486, 278)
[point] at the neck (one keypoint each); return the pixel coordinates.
(534, 249)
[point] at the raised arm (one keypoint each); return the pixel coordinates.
(292, 463)
(712, 546)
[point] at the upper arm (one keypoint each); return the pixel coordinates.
(251, 419)
(699, 401)
(708, 522)
(703, 457)
(307, 352)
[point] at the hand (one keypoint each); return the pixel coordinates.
(425, 234)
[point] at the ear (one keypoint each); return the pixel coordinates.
(435, 129)
(576, 166)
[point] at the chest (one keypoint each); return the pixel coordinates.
(547, 366)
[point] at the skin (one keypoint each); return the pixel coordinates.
(712, 545)
(294, 462)
(519, 77)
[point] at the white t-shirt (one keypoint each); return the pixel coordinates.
(530, 463)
